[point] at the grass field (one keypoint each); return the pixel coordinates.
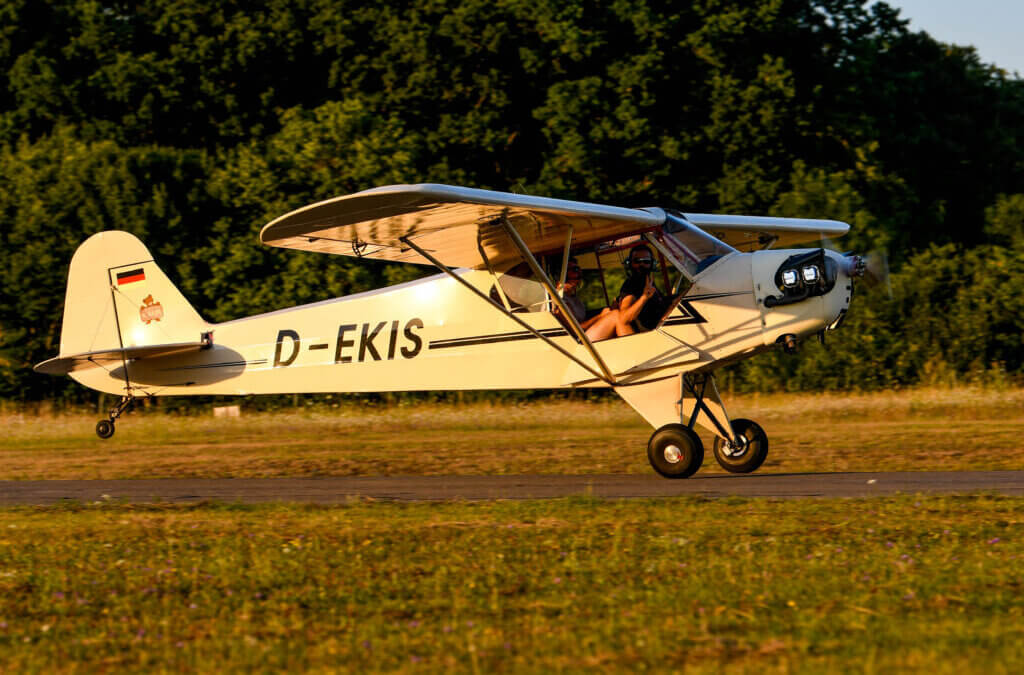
(958, 429)
(881, 585)
(732, 585)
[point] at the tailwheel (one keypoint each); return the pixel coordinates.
(104, 428)
(675, 451)
(747, 453)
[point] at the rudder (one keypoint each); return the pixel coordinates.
(118, 297)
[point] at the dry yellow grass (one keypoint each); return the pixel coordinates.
(958, 429)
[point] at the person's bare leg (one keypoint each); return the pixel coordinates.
(594, 319)
(621, 327)
(604, 327)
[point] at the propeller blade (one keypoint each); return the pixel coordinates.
(877, 270)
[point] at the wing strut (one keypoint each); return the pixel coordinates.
(565, 259)
(490, 268)
(569, 316)
(437, 263)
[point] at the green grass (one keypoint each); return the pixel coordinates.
(872, 585)
(960, 429)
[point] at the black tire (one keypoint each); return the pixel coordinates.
(675, 451)
(754, 452)
(104, 428)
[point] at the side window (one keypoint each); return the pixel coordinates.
(524, 292)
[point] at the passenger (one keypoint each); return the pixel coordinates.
(640, 304)
(573, 282)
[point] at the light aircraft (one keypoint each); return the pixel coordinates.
(494, 318)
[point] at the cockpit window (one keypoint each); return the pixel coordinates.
(524, 291)
(693, 247)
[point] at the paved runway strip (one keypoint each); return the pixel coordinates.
(435, 488)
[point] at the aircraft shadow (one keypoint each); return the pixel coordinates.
(191, 368)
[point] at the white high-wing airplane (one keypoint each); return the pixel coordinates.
(492, 319)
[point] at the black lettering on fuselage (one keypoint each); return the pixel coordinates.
(368, 332)
(416, 340)
(393, 342)
(366, 341)
(294, 337)
(342, 343)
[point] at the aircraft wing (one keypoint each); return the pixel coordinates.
(452, 223)
(750, 233)
(62, 365)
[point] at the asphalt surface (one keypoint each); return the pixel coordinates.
(441, 488)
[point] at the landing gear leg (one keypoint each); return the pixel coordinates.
(741, 446)
(105, 428)
(747, 452)
(673, 406)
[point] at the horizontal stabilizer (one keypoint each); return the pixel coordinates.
(62, 365)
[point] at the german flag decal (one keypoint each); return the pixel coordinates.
(131, 276)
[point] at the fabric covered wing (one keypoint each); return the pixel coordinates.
(453, 223)
(751, 233)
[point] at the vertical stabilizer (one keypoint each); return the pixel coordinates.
(117, 297)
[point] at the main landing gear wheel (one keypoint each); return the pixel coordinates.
(104, 428)
(749, 454)
(675, 451)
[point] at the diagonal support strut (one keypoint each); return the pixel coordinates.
(437, 263)
(546, 282)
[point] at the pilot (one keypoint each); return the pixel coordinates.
(640, 304)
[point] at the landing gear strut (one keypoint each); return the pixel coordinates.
(746, 447)
(105, 428)
(673, 406)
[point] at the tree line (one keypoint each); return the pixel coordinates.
(192, 124)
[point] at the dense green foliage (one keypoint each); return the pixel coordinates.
(192, 125)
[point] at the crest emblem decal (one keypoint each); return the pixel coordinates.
(151, 311)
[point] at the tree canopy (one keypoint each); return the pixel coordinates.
(191, 124)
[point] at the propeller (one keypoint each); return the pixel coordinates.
(873, 268)
(876, 270)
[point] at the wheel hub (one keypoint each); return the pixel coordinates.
(673, 454)
(737, 449)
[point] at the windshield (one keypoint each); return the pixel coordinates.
(693, 247)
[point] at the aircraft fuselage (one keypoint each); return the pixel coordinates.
(433, 334)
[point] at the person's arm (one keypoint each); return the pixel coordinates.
(629, 308)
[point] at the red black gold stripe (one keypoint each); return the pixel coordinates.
(131, 276)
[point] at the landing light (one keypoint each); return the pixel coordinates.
(789, 278)
(811, 274)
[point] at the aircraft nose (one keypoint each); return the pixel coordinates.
(853, 265)
(837, 300)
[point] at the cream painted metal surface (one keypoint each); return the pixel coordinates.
(800, 318)
(128, 330)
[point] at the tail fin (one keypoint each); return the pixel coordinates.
(117, 298)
